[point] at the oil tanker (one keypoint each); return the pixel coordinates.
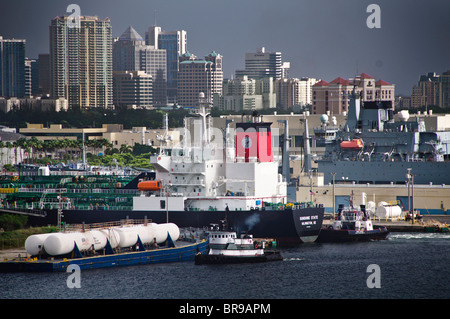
(234, 181)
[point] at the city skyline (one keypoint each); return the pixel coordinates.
(321, 39)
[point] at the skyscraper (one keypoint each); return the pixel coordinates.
(197, 75)
(175, 44)
(44, 73)
(263, 64)
(81, 61)
(246, 94)
(31, 77)
(12, 67)
(132, 88)
(130, 53)
(293, 91)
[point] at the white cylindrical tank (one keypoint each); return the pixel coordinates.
(35, 243)
(128, 236)
(388, 211)
(112, 235)
(64, 243)
(60, 243)
(174, 231)
(161, 231)
(98, 239)
(146, 233)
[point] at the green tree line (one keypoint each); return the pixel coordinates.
(92, 118)
(36, 152)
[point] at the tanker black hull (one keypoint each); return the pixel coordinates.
(329, 235)
(289, 226)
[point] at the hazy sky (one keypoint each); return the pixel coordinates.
(321, 38)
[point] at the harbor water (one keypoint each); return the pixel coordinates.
(410, 265)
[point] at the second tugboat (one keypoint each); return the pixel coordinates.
(226, 248)
(352, 225)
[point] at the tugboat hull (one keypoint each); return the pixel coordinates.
(203, 259)
(329, 235)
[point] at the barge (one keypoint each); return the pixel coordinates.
(123, 246)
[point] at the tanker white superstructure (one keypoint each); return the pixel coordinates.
(207, 172)
(55, 244)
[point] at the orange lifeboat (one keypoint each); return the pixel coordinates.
(149, 186)
(355, 144)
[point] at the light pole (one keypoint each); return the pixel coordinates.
(412, 197)
(408, 176)
(334, 197)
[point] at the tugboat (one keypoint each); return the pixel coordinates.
(352, 224)
(226, 248)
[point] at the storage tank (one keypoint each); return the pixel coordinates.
(161, 231)
(128, 236)
(173, 230)
(64, 243)
(61, 243)
(388, 211)
(35, 243)
(111, 235)
(146, 233)
(98, 239)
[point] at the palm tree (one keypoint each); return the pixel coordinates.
(125, 149)
(2, 146)
(33, 143)
(9, 146)
(22, 144)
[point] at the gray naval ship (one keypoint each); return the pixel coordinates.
(373, 148)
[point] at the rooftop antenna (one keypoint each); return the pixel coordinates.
(154, 16)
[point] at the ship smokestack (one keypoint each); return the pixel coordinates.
(254, 142)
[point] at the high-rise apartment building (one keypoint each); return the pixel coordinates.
(81, 61)
(306, 93)
(12, 67)
(197, 75)
(264, 64)
(426, 93)
(333, 97)
(246, 94)
(44, 73)
(432, 90)
(175, 44)
(31, 77)
(132, 89)
(444, 90)
(130, 53)
(293, 91)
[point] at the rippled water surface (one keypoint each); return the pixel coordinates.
(412, 265)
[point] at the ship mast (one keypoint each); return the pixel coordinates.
(203, 105)
(165, 138)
